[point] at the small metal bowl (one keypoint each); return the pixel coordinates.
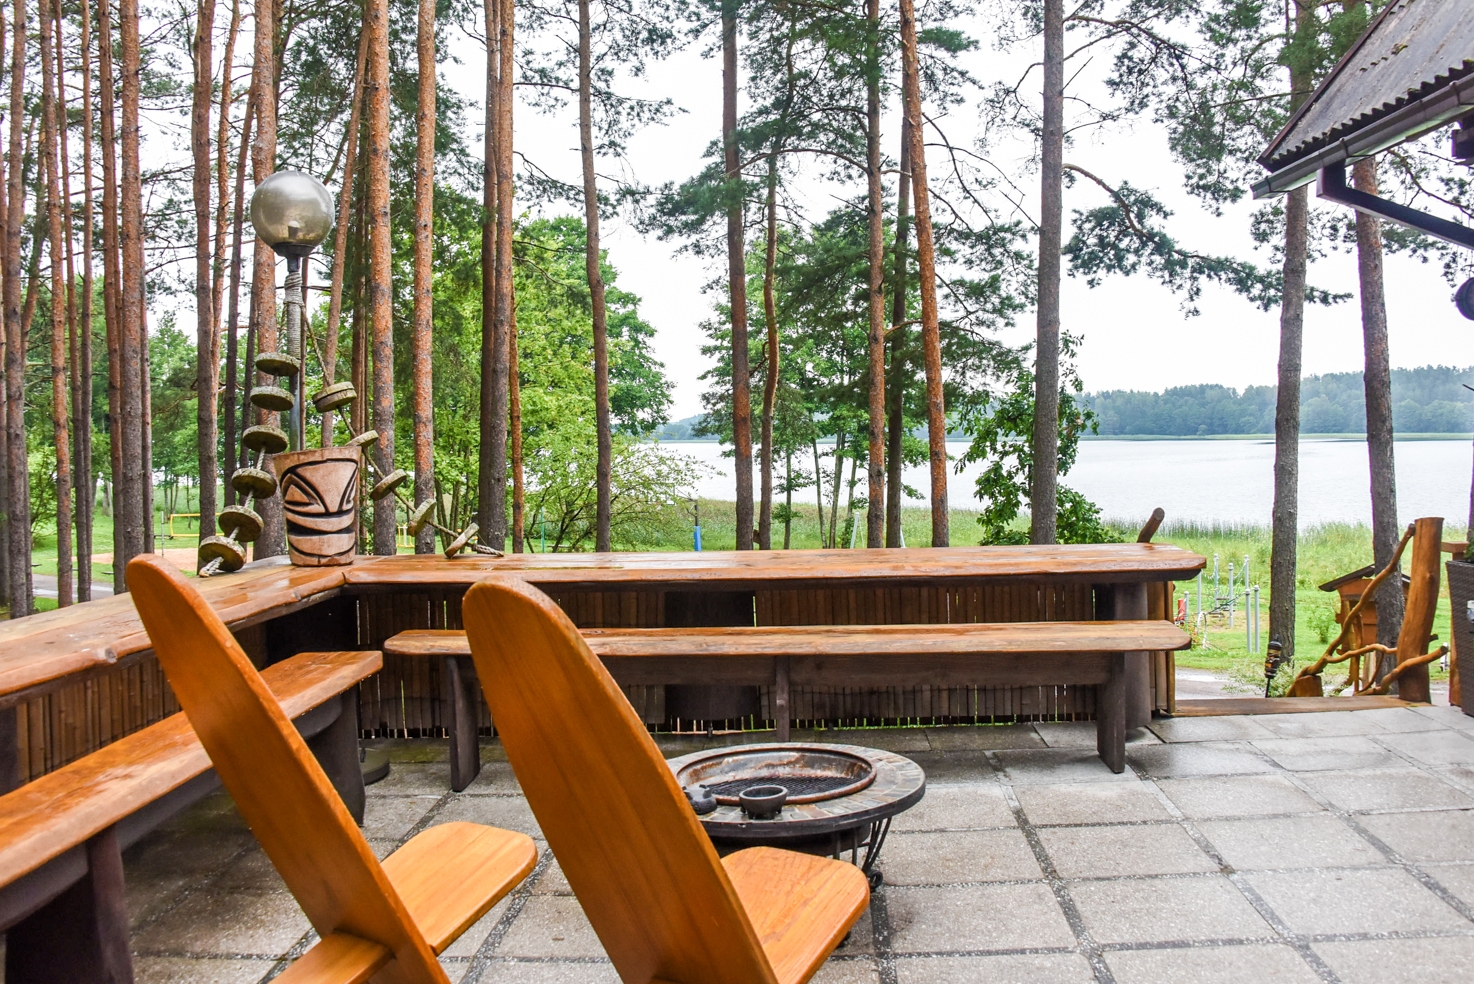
(763, 802)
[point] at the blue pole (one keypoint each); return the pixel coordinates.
(696, 537)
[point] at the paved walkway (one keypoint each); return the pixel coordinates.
(1333, 847)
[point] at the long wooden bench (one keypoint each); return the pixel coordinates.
(61, 835)
(1020, 654)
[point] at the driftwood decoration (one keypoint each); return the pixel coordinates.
(319, 489)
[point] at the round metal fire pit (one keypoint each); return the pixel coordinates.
(841, 798)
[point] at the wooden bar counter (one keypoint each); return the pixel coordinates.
(77, 678)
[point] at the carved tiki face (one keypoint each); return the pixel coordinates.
(319, 490)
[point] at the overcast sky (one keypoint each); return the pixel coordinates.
(1135, 335)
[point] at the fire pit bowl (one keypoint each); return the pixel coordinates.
(810, 773)
(839, 798)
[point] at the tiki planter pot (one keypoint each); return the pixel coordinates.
(319, 490)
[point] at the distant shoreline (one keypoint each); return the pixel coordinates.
(1165, 437)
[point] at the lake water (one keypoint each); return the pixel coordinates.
(1210, 481)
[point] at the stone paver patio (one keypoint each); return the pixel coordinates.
(1285, 848)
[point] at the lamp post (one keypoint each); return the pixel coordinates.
(293, 212)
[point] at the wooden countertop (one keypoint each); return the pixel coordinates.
(47, 647)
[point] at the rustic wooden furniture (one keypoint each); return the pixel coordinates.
(73, 680)
(61, 834)
(389, 920)
(662, 903)
(1008, 653)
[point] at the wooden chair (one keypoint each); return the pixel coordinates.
(664, 905)
(385, 922)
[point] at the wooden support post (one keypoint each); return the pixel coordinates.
(1128, 602)
(10, 764)
(336, 749)
(1110, 715)
(461, 689)
(782, 716)
(1422, 602)
(82, 934)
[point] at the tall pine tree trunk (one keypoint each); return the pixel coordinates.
(504, 295)
(5, 519)
(60, 415)
(222, 179)
(1285, 518)
(423, 411)
(490, 418)
(1044, 481)
(381, 262)
(1378, 382)
(874, 516)
(931, 339)
(340, 240)
(21, 597)
(604, 470)
(737, 280)
(234, 421)
(112, 287)
(894, 490)
(773, 354)
(514, 437)
(207, 367)
(134, 335)
(79, 324)
(263, 327)
(85, 466)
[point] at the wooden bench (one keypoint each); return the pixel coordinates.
(1020, 654)
(61, 835)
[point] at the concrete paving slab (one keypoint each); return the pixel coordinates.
(1229, 728)
(1326, 724)
(1326, 754)
(1166, 910)
(551, 926)
(1081, 734)
(983, 737)
(838, 970)
(470, 941)
(1434, 747)
(1440, 835)
(391, 817)
(1449, 717)
(964, 807)
(1289, 842)
(503, 971)
(1426, 961)
(1083, 803)
(1237, 796)
(1401, 789)
(1457, 878)
(1030, 968)
(508, 812)
(976, 917)
(1052, 765)
(1225, 758)
(263, 924)
(951, 857)
(968, 765)
(1369, 900)
(1135, 849)
(1400, 719)
(195, 970)
(1261, 963)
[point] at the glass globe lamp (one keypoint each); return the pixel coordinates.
(292, 212)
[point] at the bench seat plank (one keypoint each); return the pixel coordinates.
(54, 813)
(992, 638)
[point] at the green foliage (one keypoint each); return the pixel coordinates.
(1002, 438)
(1322, 620)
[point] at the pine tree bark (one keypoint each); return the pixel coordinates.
(5, 518)
(1378, 382)
(21, 596)
(605, 467)
(60, 413)
(1044, 477)
(136, 444)
(206, 365)
(737, 280)
(514, 427)
(931, 339)
(500, 389)
(222, 180)
(381, 261)
(875, 494)
(1284, 529)
(340, 238)
(233, 416)
(112, 288)
(894, 490)
(773, 356)
(79, 322)
(273, 539)
(422, 408)
(491, 354)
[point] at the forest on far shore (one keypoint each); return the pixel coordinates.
(1426, 400)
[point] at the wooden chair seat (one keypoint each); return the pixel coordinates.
(442, 875)
(800, 905)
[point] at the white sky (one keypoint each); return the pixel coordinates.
(1134, 333)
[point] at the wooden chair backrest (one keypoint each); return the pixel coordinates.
(277, 784)
(630, 846)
